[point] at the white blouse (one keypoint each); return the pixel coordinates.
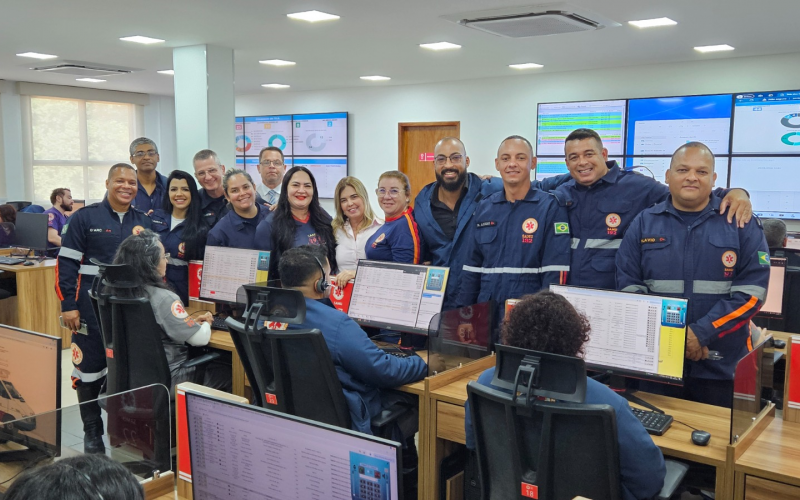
(350, 247)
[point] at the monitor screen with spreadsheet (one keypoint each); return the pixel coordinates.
(557, 120)
(634, 335)
(401, 297)
(227, 269)
(242, 451)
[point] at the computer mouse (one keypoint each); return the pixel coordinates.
(701, 438)
(28, 263)
(779, 344)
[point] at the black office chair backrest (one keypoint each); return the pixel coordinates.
(563, 450)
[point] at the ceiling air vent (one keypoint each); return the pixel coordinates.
(534, 20)
(84, 69)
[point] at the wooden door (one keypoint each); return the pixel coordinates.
(415, 150)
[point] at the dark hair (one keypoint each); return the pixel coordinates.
(8, 213)
(83, 477)
(774, 232)
(195, 229)
(142, 253)
(297, 267)
(235, 171)
(580, 134)
(56, 193)
(517, 138)
(546, 322)
(117, 166)
(270, 148)
(693, 145)
(140, 142)
(283, 226)
(318, 251)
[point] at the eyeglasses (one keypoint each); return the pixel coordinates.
(142, 154)
(210, 171)
(267, 163)
(455, 159)
(394, 192)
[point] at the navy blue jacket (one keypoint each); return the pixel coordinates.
(397, 240)
(363, 369)
(641, 464)
(175, 246)
(515, 248)
(93, 232)
(721, 269)
(235, 232)
(212, 209)
(145, 202)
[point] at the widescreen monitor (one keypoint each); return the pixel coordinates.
(320, 134)
(557, 120)
(656, 168)
(633, 335)
(773, 306)
(31, 231)
(401, 297)
(773, 183)
(242, 146)
(268, 131)
(243, 451)
(767, 123)
(30, 384)
(225, 270)
(327, 171)
(659, 125)
(550, 167)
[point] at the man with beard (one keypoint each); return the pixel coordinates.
(61, 198)
(443, 215)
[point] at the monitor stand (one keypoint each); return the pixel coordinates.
(617, 384)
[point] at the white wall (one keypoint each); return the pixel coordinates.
(492, 109)
(159, 125)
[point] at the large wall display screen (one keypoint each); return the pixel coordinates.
(557, 120)
(772, 182)
(767, 123)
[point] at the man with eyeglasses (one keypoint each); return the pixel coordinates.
(209, 172)
(152, 185)
(271, 167)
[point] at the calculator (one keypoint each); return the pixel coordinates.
(372, 485)
(674, 315)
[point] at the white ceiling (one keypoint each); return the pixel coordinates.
(373, 37)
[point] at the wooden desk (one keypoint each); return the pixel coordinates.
(36, 306)
(770, 467)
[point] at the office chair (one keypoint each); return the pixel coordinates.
(4, 294)
(561, 449)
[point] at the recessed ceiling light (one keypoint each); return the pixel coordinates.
(312, 16)
(90, 80)
(167, 72)
(141, 39)
(439, 46)
(526, 66)
(713, 48)
(275, 86)
(376, 78)
(37, 55)
(652, 23)
(278, 62)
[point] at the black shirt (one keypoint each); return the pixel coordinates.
(446, 218)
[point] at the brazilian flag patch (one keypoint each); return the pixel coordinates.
(562, 228)
(763, 258)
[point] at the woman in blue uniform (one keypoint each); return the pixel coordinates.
(237, 229)
(182, 229)
(398, 239)
(298, 220)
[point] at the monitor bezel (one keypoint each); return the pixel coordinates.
(22, 222)
(232, 303)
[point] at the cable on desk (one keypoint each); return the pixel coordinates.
(28, 466)
(687, 425)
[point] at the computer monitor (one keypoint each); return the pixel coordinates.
(31, 231)
(225, 270)
(773, 183)
(633, 335)
(656, 168)
(766, 122)
(401, 297)
(557, 120)
(243, 451)
(773, 306)
(30, 384)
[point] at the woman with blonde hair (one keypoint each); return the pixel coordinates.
(353, 224)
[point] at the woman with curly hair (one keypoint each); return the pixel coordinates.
(547, 322)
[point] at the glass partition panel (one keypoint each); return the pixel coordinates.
(462, 335)
(753, 376)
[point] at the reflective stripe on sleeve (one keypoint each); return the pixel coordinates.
(88, 377)
(515, 270)
(70, 253)
(635, 288)
(177, 262)
(664, 286)
(711, 287)
(756, 291)
(88, 269)
(608, 244)
(574, 243)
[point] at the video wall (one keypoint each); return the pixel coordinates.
(316, 141)
(755, 137)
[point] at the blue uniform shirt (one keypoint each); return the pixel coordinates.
(145, 202)
(721, 269)
(363, 369)
(175, 246)
(515, 248)
(396, 241)
(236, 232)
(641, 464)
(55, 220)
(212, 209)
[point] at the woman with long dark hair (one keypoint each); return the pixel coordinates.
(182, 229)
(298, 220)
(145, 254)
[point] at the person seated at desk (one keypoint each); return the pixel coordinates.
(144, 252)
(547, 322)
(237, 229)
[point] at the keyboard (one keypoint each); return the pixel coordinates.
(219, 324)
(654, 423)
(398, 353)
(11, 261)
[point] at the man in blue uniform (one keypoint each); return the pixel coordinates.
(152, 185)
(602, 200)
(61, 199)
(95, 232)
(684, 247)
(209, 173)
(520, 235)
(443, 209)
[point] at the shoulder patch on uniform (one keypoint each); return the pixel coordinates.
(763, 258)
(177, 310)
(562, 228)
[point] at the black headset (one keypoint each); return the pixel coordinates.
(321, 284)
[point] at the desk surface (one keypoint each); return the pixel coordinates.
(775, 454)
(37, 266)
